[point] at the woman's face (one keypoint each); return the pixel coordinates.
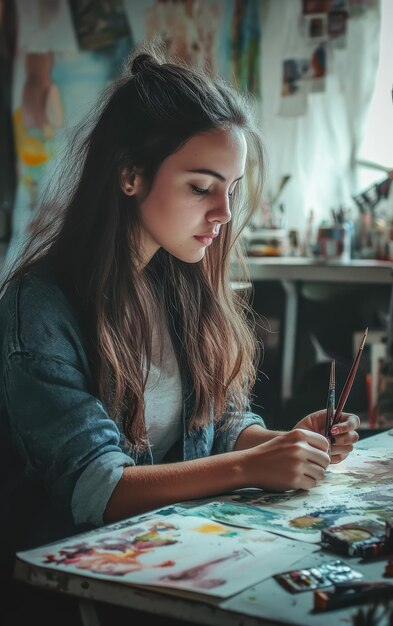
(191, 195)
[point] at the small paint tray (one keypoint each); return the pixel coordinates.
(363, 538)
(312, 578)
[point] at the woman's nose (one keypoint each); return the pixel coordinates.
(221, 213)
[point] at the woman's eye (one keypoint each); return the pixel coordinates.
(199, 190)
(232, 193)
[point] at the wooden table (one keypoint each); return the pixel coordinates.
(264, 604)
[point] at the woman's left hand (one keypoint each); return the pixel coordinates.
(344, 434)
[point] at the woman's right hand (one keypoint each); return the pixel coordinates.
(292, 460)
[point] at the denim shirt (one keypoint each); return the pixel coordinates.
(61, 455)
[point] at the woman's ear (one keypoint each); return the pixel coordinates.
(130, 181)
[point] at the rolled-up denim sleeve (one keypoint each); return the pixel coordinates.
(95, 485)
(65, 433)
(226, 437)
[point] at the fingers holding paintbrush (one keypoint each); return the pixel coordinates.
(342, 430)
(339, 428)
(348, 383)
(330, 406)
(343, 437)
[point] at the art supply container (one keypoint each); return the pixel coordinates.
(334, 242)
(268, 242)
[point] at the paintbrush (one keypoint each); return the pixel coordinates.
(283, 182)
(331, 398)
(374, 615)
(348, 383)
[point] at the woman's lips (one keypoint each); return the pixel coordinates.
(204, 239)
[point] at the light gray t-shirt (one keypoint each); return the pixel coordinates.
(163, 396)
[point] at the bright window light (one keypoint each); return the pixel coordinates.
(377, 146)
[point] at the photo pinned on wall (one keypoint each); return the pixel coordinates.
(318, 69)
(314, 6)
(338, 5)
(98, 25)
(310, 7)
(316, 27)
(293, 100)
(294, 73)
(337, 28)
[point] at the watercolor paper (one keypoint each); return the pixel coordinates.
(366, 475)
(188, 554)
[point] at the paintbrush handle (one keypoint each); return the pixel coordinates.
(331, 399)
(347, 389)
(330, 411)
(349, 382)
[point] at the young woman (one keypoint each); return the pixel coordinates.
(126, 360)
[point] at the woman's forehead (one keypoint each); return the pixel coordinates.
(222, 151)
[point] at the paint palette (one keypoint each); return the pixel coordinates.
(312, 578)
(366, 538)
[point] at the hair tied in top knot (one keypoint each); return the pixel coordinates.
(146, 58)
(142, 63)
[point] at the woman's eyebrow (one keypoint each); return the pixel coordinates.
(213, 173)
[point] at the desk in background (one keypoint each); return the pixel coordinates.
(264, 604)
(291, 272)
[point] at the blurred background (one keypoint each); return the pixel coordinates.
(320, 247)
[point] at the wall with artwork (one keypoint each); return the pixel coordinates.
(309, 64)
(66, 52)
(319, 63)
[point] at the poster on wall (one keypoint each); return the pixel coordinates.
(67, 83)
(223, 36)
(76, 53)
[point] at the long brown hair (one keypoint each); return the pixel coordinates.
(89, 236)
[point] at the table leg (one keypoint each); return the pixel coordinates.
(289, 339)
(88, 611)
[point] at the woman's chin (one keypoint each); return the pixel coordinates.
(190, 257)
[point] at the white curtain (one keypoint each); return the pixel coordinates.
(318, 148)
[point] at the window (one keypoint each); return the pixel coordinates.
(377, 146)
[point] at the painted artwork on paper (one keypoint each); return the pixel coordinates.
(54, 84)
(187, 553)
(366, 475)
(69, 52)
(222, 36)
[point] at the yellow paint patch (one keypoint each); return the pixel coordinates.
(211, 528)
(31, 151)
(305, 521)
